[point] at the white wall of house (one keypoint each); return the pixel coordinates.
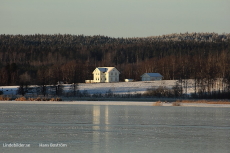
(112, 76)
(155, 78)
(98, 76)
(146, 78)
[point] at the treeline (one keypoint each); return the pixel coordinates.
(47, 59)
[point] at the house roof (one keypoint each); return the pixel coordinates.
(106, 69)
(153, 74)
(102, 69)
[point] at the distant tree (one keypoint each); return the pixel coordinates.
(109, 93)
(85, 93)
(177, 90)
(59, 89)
(22, 90)
(43, 81)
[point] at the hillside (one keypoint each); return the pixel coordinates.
(47, 59)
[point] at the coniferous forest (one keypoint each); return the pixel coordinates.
(46, 59)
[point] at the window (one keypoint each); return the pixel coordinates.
(112, 73)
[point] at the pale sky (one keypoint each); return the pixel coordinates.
(114, 18)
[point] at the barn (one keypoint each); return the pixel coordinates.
(151, 77)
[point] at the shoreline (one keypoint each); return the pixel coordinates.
(123, 103)
(81, 102)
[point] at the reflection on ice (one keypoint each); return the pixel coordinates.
(114, 128)
(96, 127)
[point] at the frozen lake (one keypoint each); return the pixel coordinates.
(113, 128)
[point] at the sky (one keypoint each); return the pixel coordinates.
(114, 18)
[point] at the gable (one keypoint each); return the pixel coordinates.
(144, 75)
(113, 69)
(96, 71)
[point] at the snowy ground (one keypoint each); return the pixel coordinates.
(9, 90)
(116, 88)
(125, 87)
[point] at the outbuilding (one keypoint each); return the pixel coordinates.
(151, 77)
(128, 80)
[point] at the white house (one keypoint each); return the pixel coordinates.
(151, 77)
(106, 74)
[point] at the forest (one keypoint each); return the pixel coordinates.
(42, 59)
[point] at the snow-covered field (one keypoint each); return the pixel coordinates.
(9, 90)
(116, 88)
(125, 87)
